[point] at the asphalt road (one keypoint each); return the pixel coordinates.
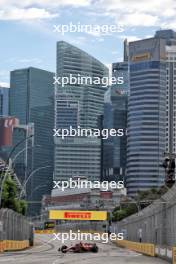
(45, 252)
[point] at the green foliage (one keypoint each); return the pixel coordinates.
(124, 211)
(142, 200)
(9, 197)
(23, 207)
(119, 215)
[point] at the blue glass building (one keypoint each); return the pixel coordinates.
(146, 115)
(32, 101)
(4, 101)
(115, 116)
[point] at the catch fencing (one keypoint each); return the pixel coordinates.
(15, 227)
(155, 224)
(83, 226)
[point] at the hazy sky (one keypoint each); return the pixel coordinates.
(28, 37)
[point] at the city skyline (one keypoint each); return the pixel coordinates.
(34, 20)
(88, 131)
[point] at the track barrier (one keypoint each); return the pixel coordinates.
(44, 232)
(144, 248)
(174, 255)
(10, 245)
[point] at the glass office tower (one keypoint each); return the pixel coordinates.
(32, 101)
(4, 101)
(146, 115)
(170, 37)
(114, 148)
(78, 156)
(115, 116)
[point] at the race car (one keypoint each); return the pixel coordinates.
(80, 248)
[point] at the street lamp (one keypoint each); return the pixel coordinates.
(30, 175)
(16, 156)
(13, 149)
(36, 188)
(7, 163)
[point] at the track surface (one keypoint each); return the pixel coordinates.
(45, 252)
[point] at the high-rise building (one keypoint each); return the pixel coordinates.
(146, 115)
(32, 101)
(67, 111)
(72, 60)
(77, 157)
(115, 116)
(170, 37)
(120, 69)
(78, 104)
(114, 148)
(4, 101)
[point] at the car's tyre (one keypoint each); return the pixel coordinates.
(63, 249)
(94, 249)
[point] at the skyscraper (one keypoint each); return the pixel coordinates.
(115, 116)
(32, 101)
(170, 37)
(146, 115)
(4, 101)
(72, 60)
(78, 105)
(114, 148)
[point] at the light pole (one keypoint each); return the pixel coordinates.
(30, 175)
(16, 156)
(13, 149)
(36, 188)
(7, 164)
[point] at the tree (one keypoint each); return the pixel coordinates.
(124, 211)
(142, 200)
(9, 196)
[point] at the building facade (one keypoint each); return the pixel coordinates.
(114, 148)
(115, 116)
(4, 101)
(83, 199)
(78, 105)
(74, 61)
(170, 38)
(146, 115)
(32, 101)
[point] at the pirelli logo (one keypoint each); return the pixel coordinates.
(77, 215)
(83, 215)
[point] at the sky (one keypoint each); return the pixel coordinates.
(28, 32)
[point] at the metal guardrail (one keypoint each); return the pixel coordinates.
(10, 245)
(164, 252)
(174, 255)
(50, 231)
(144, 248)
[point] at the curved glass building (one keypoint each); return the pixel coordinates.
(78, 104)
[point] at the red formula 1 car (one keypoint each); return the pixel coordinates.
(80, 248)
